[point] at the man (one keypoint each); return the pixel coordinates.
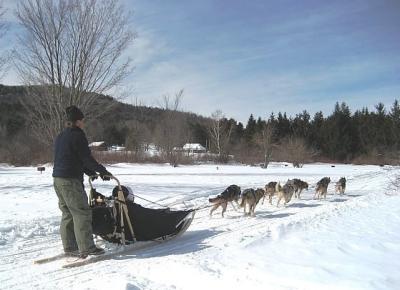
(72, 158)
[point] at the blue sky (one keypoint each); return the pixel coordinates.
(260, 57)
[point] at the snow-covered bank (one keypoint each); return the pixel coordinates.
(348, 242)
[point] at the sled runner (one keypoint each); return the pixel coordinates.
(131, 248)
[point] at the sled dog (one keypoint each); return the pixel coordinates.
(270, 191)
(299, 185)
(251, 198)
(285, 192)
(340, 186)
(322, 187)
(231, 193)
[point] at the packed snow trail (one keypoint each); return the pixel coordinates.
(344, 242)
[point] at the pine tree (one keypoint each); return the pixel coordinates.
(250, 130)
(395, 124)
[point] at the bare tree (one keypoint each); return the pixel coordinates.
(137, 136)
(70, 53)
(172, 104)
(297, 152)
(220, 131)
(265, 141)
(169, 132)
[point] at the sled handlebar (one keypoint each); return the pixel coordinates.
(98, 175)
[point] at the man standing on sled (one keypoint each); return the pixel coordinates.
(72, 158)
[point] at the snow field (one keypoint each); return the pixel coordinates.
(344, 242)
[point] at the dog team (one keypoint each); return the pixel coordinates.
(250, 197)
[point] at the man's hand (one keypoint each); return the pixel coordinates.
(105, 176)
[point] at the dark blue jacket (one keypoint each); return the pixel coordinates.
(72, 156)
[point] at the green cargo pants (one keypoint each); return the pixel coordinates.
(76, 222)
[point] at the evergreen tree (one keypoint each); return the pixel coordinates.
(301, 125)
(395, 124)
(314, 137)
(250, 130)
(339, 134)
(283, 126)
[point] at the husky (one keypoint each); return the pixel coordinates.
(285, 192)
(270, 191)
(340, 186)
(299, 185)
(322, 187)
(230, 194)
(251, 197)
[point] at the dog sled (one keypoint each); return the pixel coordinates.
(118, 219)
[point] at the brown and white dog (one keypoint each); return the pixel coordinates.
(322, 187)
(284, 192)
(270, 190)
(299, 185)
(231, 193)
(340, 186)
(251, 198)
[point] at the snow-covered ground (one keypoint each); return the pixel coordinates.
(343, 242)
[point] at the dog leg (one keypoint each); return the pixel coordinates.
(233, 206)
(224, 205)
(213, 209)
(245, 211)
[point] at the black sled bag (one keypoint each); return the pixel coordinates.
(147, 223)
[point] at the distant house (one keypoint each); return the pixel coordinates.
(117, 148)
(194, 148)
(151, 150)
(98, 146)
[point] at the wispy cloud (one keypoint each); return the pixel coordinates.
(258, 56)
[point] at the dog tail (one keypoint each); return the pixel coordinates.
(278, 187)
(213, 199)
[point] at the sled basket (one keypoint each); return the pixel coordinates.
(118, 220)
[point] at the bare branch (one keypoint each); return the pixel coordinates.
(73, 50)
(265, 140)
(220, 131)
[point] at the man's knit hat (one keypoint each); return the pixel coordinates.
(74, 114)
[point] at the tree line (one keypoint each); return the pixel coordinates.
(363, 136)
(370, 137)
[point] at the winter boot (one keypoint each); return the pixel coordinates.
(92, 252)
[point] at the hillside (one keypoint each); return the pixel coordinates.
(115, 122)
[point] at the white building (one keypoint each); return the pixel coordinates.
(98, 146)
(194, 148)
